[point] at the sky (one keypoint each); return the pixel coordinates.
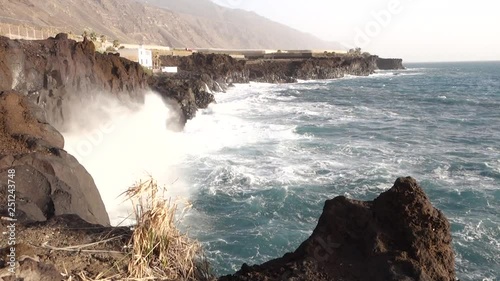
(415, 30)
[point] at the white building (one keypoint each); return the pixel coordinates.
(141, 55)
(145, 57)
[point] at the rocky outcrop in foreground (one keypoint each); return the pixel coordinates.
(397, 236)
(49, 182)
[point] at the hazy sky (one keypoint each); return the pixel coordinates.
(416, 30)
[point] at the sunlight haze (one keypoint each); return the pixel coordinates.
(414, 30)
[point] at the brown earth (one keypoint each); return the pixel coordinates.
(65, 246)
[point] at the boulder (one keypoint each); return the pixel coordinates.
(49, 181)
(398, 236)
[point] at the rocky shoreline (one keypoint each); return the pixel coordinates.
(203, 74)
(398, 236)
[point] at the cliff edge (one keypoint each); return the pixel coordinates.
(389, 64)
(57, 73)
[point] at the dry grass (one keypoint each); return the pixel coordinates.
(158, 249)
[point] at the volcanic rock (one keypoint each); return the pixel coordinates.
(397, 236)
(216, 70)
(188, 90)
(58, 72)
(49, 182)
(389, 64)
(289, 70)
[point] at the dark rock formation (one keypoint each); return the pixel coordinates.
(188, 90)
(58, 72)
(398, 236)
(289, 70)
(217, 71)
(388, 64)
(40, 81)
(49, 182)
(200, 74)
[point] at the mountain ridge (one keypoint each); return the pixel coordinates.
(192, 24)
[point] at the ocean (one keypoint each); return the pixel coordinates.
(268, 156)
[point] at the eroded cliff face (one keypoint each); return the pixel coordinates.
(49, 181)
(58, 72)
(389, 64)
(397, 236)
(188, 91)
(287, 71)
(200, 75)
(217, 71)
(41, 82)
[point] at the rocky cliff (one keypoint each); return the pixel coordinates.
(202, 74)
(289, 70)
(40, 82)
(218, 71)
(57, 72)
(48, 181)
(388, 64)
(397, 236)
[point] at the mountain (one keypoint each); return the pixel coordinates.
(242, 29)
(186, 23)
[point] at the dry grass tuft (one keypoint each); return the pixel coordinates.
(158, 249)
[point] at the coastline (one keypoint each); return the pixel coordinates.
(191, 94)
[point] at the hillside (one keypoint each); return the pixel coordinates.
(192, 23)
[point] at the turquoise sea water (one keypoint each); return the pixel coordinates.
(274, 153)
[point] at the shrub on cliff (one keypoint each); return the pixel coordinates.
(158, 249)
